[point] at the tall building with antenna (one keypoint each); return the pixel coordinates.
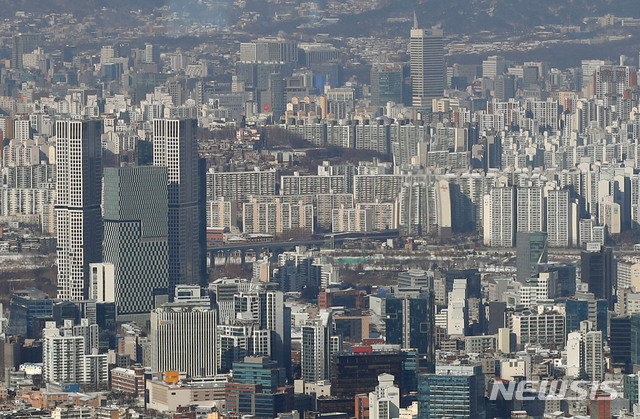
(428, 72)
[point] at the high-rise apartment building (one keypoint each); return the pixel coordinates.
(66, 357)
(500, 217)
(77, 210)
(318, 346)
(560, 223)
(136, 235)
(428, 72)
(530, 209)
(384, 401)
(175, 147)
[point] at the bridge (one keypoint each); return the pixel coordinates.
(273, 248)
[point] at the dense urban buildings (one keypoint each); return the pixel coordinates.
(319, 210)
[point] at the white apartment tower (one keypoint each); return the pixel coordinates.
(384, 400)
(500, 217)
(530, 209)
(77, 210)
(559, 220)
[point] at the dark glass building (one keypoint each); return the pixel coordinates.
(619, 342)
(412, 318)
(597, 269)
(455, 391)
(531, 250)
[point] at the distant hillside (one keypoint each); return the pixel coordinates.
(468, 16)
(462, 16)
(82, 8)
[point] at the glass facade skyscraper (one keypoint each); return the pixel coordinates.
(136, 235)
(455, 391)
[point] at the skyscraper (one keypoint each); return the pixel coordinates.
(175, 147)
(531, 250)
(318, 346)
(427, 65)
(559, 218)
(597, 270)
(453, 391)
(136, 234)
(23, 43)
(183, 338)
(386, 84)
(410, 322)
(78, 215)
(500, 218)
(530, 210)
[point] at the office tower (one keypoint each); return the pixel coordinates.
(530, 209)
(183, 338)
(453, 391)
(631, 385)
(269, 49)
(531, 250)
(545, 329)
(78, 215)
(504, 88)
(410, 322)
(357, 372)
(384, 401)
(619, 342)
(23, 43)
(560, 228)
(500, 217)
(634, 338)
(24, 308)
(175, 147)
(492, 152)
(318, 347)
(151, 54)
(597, 270)
(258, 388)
(576, 312)
(428, 72)
(136, 235)
(497, 319)
(493, 66)
(386, 83)
(566, 276)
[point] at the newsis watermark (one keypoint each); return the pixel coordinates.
(575, 390)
